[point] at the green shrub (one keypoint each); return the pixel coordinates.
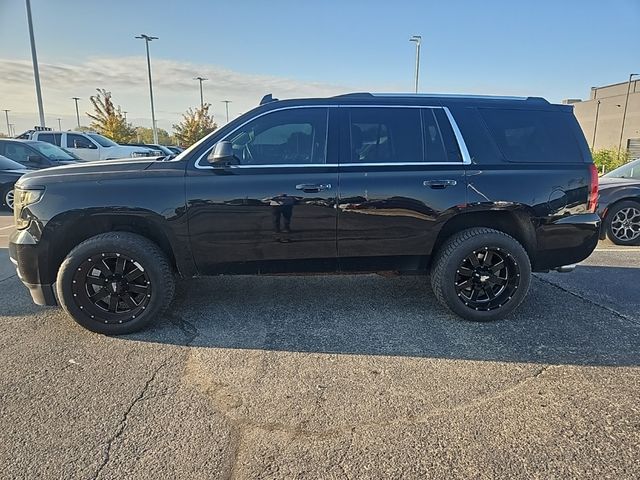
(607, 159)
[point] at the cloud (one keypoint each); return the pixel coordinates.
(175, 90)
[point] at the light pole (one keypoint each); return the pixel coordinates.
(34, 58)
(201, 79)
(595, 126)
(624, 112)
(59, 124)
(125, 116)
(418, 41)
(226, 104)
(77, 112)
(12, 129)
(148, 39)
(6, 114)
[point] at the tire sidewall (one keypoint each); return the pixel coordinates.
(135, 251)
(612, 213)
(452, 263)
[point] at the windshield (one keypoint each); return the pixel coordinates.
(52, 152)
(104, 141)
(630, 170)
(8, 164)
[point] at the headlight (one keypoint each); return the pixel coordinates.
(138, 154)
(23, 198)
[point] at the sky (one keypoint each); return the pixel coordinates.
(297, 48)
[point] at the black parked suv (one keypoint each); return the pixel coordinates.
(477, 191)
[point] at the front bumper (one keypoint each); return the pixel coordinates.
(567, 240)
(25, 254)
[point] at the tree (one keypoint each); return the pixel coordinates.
(145, 135)
(195, 125)
(109, 120)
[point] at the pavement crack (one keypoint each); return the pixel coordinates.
(8, 278)
(189, 330)
(122, 426)
(590, 301)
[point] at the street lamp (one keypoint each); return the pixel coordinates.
(77, 112)
(418, 41)
(59, 124)
(148, 39)
(34, 58)
(201, 79)
(624, 112)
(226, 104)
(6, 114)
(125, 116)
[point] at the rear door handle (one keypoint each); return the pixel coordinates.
(313, 187)
(439, 184)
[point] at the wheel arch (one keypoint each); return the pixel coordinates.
(65, 232)
(516, 222)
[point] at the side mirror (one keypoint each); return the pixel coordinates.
(222, 155)
(37, 159)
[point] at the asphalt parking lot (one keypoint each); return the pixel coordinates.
(329, 377)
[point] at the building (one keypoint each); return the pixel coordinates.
(601, 117)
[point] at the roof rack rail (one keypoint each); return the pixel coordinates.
(458, 95)
(354, 95)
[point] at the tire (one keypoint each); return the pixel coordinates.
(116, 268)
(7, 198)
(623, 223)
(455, 278)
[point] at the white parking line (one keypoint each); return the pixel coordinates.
(621, 249)
(7, 227)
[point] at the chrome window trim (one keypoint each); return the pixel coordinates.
(466, 158)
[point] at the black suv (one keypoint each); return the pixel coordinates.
(478, 191)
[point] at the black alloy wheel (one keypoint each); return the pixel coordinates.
(111, 286)
(487, 278)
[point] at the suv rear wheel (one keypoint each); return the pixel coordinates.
(115, 283)
(481, 274)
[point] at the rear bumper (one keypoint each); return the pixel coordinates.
(566, 241)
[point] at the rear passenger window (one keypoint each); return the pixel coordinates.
(532, 136)
(386, 135)
(53, 138)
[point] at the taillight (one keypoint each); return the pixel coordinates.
(592, 202)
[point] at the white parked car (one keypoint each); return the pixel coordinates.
(89, 146)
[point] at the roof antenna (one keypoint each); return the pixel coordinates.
(268, 99)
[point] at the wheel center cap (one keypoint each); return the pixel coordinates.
(484, 278)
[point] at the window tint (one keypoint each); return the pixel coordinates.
(385, 135)
(78, 141)
(296, 136)
(532, 136)
(17, 152)
(53, 138)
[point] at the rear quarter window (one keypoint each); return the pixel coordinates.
(533, 136)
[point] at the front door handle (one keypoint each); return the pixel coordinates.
(439, 184)
(313, 187)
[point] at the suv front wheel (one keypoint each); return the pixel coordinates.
(115, 283)
(481, 274)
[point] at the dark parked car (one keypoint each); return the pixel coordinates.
(477, 191)
(10, 172)
(34, 154)
(157, 149)
(619, 204)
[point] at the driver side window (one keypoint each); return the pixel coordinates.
(295, 136)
